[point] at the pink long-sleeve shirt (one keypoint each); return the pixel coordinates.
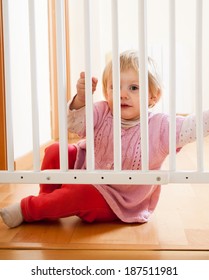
(131, 203)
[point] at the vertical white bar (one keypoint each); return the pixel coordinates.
(61, 60)
(88, 88)
(198, 86)
(172, 85)
(34, 91)
(143, 82)
(8, 86)
(116, 87)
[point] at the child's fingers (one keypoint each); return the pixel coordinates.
(80, 86)
(94, 80)
(94, 83)
(82, 78)
(82, 75)
(81, 83)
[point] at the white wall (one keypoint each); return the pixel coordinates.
(21, 88)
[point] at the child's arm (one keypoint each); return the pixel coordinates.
(79, 99)
(76, 110)
(188, 129)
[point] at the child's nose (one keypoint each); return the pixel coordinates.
(123, 93)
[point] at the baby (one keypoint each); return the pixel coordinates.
(101, 202)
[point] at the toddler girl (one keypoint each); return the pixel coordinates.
(105, 203)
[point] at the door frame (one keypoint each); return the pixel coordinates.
(3, 139)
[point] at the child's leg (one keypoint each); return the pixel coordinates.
(83, 201)
(51, 160)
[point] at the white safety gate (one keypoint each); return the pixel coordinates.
(90, 175)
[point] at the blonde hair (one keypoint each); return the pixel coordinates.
(130, 60)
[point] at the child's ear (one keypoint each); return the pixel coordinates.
(151, 101)
(154, 98)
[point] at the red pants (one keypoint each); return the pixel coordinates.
(58, 201)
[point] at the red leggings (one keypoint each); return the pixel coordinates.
(58, 201)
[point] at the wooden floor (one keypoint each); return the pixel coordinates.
(179, 228)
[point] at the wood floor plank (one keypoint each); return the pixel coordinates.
(101, 255)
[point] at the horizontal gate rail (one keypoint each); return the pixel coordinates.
(130, 177)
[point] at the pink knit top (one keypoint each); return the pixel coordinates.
(131, 203)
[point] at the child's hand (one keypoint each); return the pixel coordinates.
(79, 100)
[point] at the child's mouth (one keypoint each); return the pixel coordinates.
(124, 106)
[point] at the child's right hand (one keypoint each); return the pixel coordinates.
(79, 100)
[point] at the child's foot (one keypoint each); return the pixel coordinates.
(12, 215)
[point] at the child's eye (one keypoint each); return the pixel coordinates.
(134, 87)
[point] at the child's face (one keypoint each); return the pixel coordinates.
(129, 94)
